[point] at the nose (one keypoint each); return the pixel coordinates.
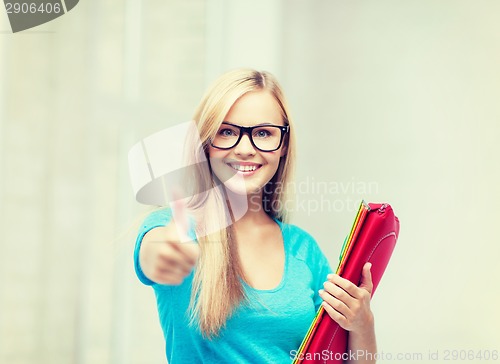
(244, 147)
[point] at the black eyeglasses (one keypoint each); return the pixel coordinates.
(266, 138)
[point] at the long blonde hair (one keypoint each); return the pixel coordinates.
(217, 287)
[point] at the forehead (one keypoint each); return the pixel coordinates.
(255, 107)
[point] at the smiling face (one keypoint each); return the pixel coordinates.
(255, 167)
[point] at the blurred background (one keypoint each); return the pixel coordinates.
(394, 101)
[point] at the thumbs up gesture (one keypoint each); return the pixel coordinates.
(167, 256)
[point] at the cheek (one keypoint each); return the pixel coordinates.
(214, 153)
(274, 158)
(216, 164)
(215, 156)
(219, 168)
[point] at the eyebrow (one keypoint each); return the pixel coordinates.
(261, 124)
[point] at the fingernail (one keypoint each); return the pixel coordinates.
(329, 277)
(321, 291)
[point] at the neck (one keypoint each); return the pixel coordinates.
(247, 210)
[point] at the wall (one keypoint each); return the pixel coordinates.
(393, 101)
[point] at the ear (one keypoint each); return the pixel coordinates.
(284, 147)
(283, 150)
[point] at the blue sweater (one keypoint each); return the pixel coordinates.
(267, 330)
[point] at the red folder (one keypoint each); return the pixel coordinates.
(372, 239)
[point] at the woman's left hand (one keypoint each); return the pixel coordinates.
(347, 304)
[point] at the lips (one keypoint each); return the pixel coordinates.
(244, 167)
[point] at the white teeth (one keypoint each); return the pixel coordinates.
(243, 168)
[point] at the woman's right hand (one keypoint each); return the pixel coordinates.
(164, 256)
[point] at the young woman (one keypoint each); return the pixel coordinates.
(248, 286)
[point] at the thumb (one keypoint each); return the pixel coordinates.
(180, 216)
(366, 278)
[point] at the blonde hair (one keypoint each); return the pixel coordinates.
(217, 288)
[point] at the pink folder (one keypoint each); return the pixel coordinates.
(372, 239)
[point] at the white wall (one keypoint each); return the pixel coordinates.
(404, 94)
(242, 33)
(77, 93)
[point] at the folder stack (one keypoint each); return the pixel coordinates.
(372, 239)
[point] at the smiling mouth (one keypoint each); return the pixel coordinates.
(244, 168)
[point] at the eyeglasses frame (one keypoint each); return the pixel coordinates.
(248, 130)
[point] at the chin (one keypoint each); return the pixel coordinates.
(243, 188)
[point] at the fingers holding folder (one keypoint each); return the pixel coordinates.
(347, 304)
